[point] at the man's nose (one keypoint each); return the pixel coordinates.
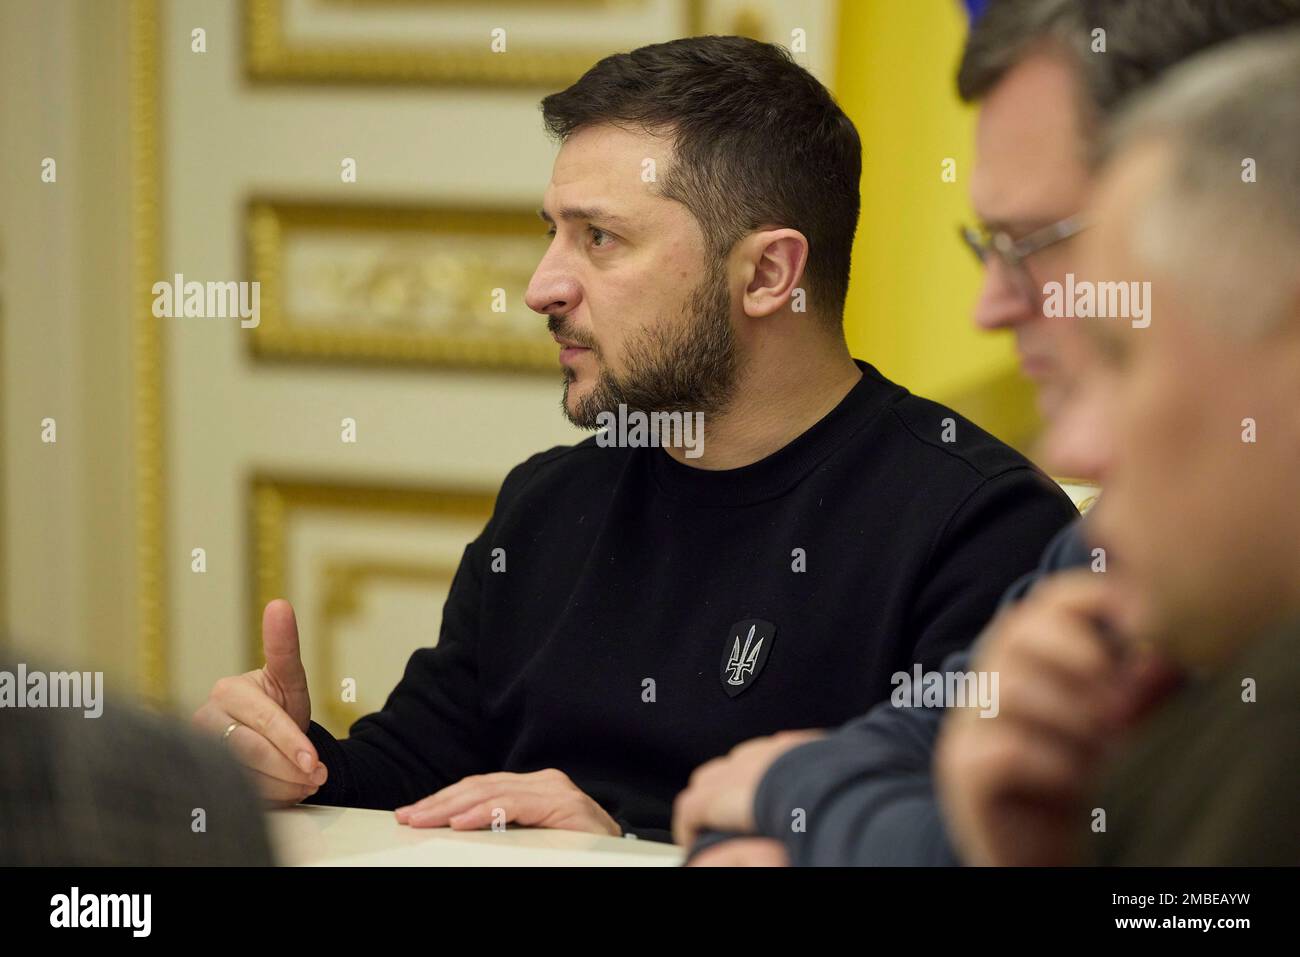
(553, 288)
(1003, 302)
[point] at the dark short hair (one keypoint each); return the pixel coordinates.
(758, 142)
(1143, 39)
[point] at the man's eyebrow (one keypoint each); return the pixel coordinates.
(588, 213)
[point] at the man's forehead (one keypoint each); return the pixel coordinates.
(1029, 144)
(607, 161)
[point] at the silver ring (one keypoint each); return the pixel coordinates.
(233, 726)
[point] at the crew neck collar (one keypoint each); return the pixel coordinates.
(774, 474)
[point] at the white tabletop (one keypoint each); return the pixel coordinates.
(355, 837)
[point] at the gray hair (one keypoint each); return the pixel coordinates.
(1225, 218)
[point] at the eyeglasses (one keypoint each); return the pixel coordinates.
(1014, 252)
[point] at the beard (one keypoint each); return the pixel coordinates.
(689, 367)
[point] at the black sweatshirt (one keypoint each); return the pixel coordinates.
(652, 615)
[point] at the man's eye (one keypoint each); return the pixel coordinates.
(597, 234)
(550, 233)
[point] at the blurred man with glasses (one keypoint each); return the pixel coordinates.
(1199, 515)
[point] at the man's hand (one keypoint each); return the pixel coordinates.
(1011, 785)
(743, 852)
(272, 709)
(541, 799)
(720, 794)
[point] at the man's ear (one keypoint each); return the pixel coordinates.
(775, 259)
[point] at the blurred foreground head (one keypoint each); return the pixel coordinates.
(126, 788)
(1194, 420)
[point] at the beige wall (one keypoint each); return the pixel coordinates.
(63, 255)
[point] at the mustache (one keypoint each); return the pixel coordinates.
(559, 326)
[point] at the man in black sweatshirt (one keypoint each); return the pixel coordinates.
(766, 531)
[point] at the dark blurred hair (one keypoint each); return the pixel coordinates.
(758, 142)
(1143, 39)
(121, 790)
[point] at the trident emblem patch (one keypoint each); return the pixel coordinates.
(749, 643)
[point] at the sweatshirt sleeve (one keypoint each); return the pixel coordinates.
(431, 731)
(865, 794)
(991, 540)
(862, 795)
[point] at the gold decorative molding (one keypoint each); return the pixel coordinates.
(273, 500)
(503, 4)
(345, 582)
(278, 336)
(270, 57)
(147, 350)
